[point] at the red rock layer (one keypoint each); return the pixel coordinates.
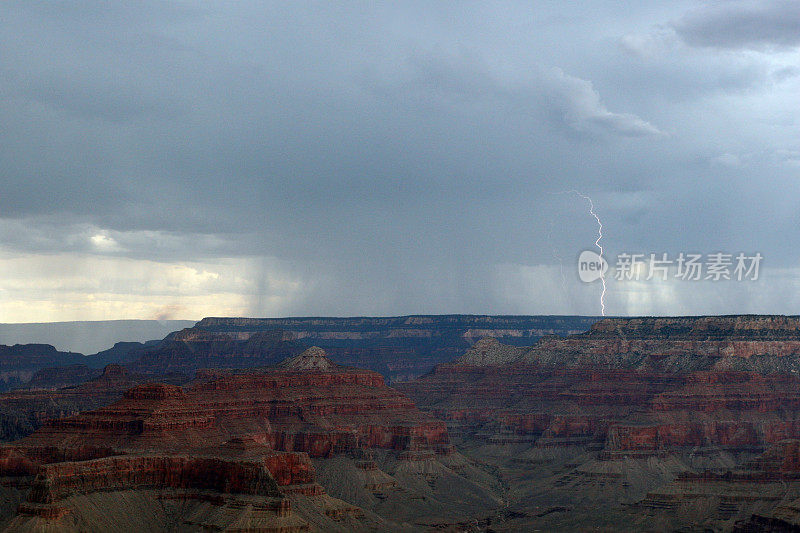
(318, 412)
(229, 433)
(630, 385)
(26, 410)
(57, 481)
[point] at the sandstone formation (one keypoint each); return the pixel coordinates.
(25, 410)
(234, 450)
(610, 417)
(397, 347)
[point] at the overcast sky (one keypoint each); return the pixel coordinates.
(181, 160)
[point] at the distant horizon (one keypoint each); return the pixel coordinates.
(311, 316)
(103, 320)
(92, 336)
(88, 336)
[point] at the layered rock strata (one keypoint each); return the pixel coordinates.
(611, 415)
(396, 347)
(231, 443)
(25, 410)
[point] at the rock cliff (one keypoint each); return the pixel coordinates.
(19, 362)
(397, 347)
(610, 415)
(25, 410)
(234, 442)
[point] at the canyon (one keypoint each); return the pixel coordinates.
(673, 423)
(305, 444)
(652, 420)
(397, 347)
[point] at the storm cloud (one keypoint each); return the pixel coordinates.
(307, 158)
(742, 25)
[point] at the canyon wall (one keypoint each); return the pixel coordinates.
(237, 440)
(397, 347)
(611, 416)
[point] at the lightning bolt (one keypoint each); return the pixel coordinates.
(596, 243)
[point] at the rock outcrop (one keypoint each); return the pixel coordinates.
(25, 410)
(611, 415)
(235, 441)
(314, 359)
(19, 362)
(397, 347)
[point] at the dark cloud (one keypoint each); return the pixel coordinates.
(749, 24)
(393, 158)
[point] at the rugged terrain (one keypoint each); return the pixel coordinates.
(25, 410)
(304, 445)
(653, 423)
(397, 347)
(646, 424)
(19, 362)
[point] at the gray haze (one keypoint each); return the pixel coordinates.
(176, 160)
(89, 337)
